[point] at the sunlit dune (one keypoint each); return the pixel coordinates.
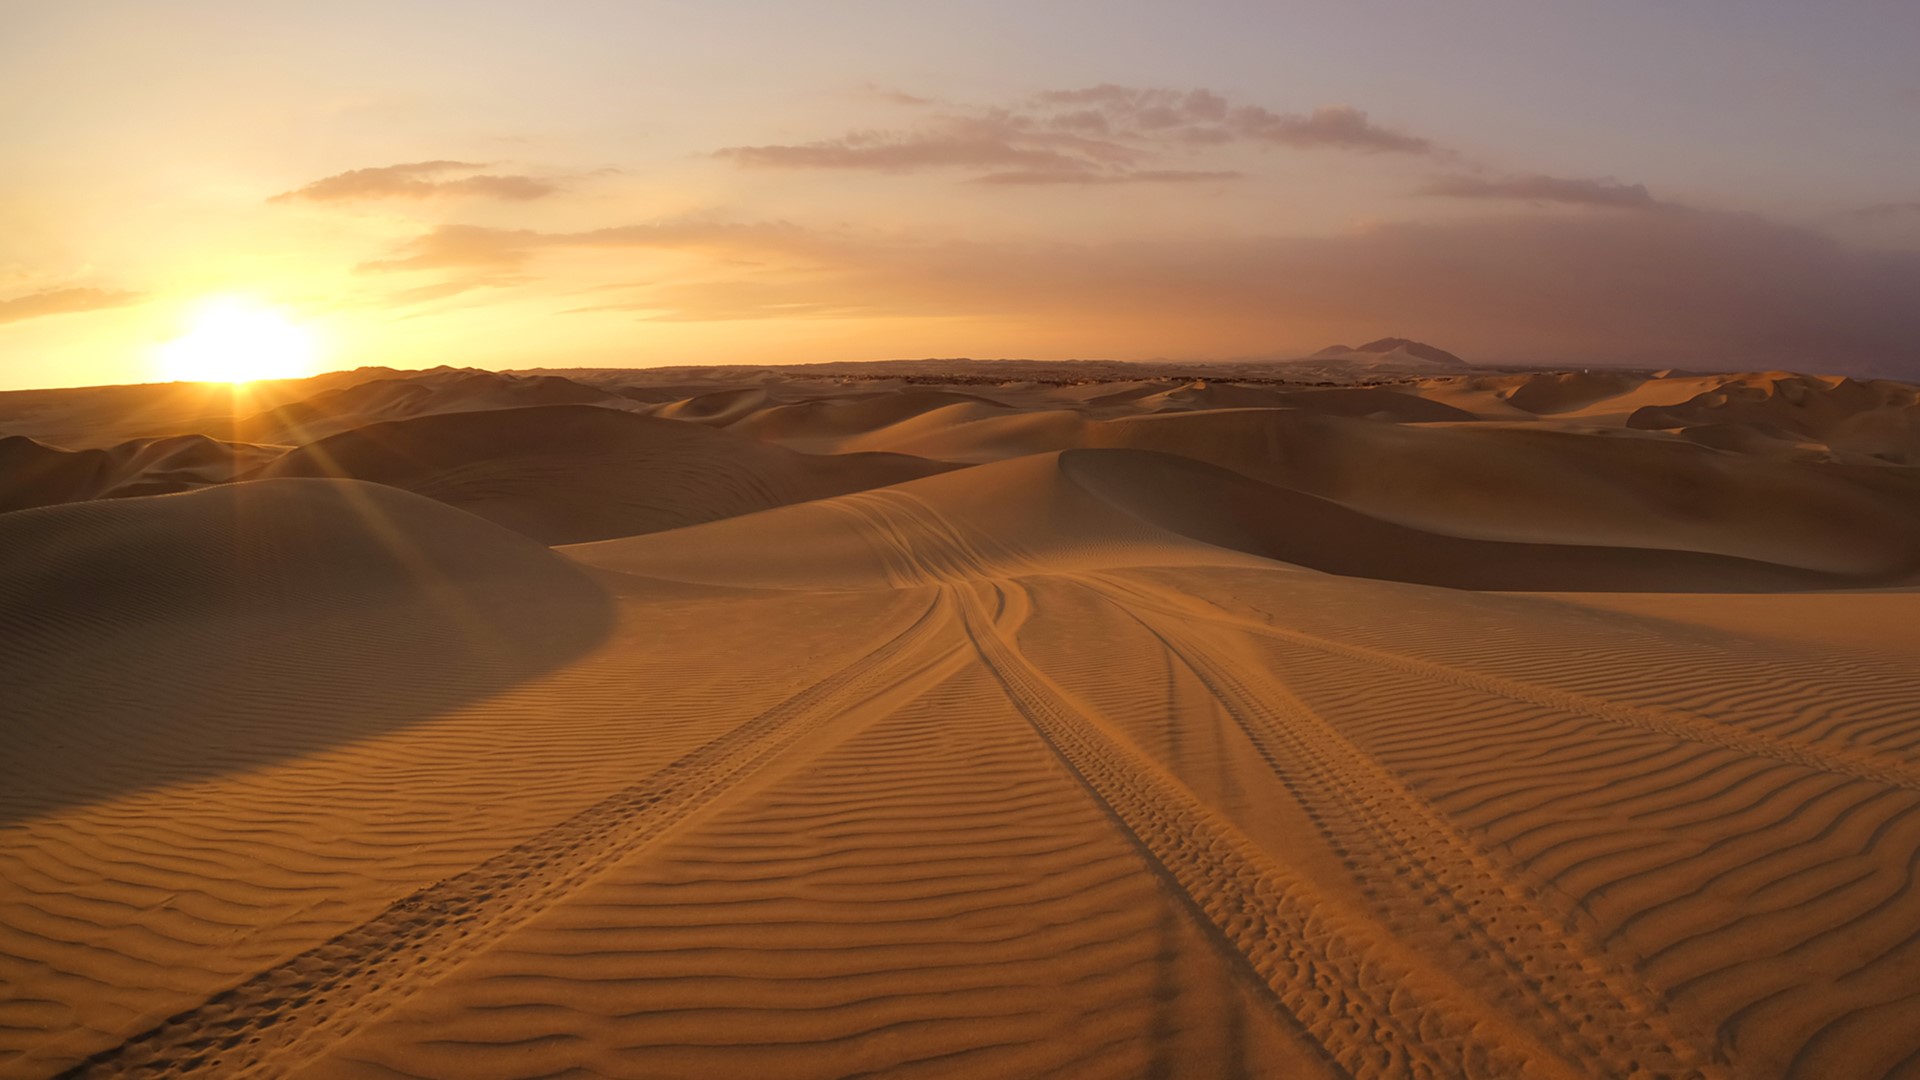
(1371, 716)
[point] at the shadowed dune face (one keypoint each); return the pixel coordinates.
(1542, 486)
(33, 474)
(1517, 483)
(1225, 508)
(1122, 507)
(189, 635)
(1879, 420)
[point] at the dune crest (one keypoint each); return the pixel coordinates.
(568, 474)
(34, 474)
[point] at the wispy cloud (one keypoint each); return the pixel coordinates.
(1335, 127)
(63, 302)
(998, 139)
(1098, 133)
(492, 252)
(459, 246)
(893, 95)
(1889, 209)
(1140, 176)
(441, 290)
(1545, 189)
(418, 180)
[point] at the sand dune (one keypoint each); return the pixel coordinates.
(823, 423)
(287, 411)
(1543, 486)
(1514, 484)
(33, 474)
(1450, 727)
(717, 407)
(1369, 402)
(1095, 508)
(1874, 419)
(569, 474)
(357, 405)
(319, 594)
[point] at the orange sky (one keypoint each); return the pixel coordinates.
(653, 183)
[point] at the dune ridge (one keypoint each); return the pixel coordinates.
(1084, 505)
(573, 473)
(35, 474)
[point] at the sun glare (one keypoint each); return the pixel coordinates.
(235, 340)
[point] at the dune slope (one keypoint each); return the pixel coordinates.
(1512, 483)
(570, 474)
(33, 474)
(330, 596)
(1090, 507)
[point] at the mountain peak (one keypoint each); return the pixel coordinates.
(1417, 349)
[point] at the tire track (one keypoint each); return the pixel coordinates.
(1372, 1014)
(259, 1027)
(1414, 862)
(1673, 723)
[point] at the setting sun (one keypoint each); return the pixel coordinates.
(237, 340)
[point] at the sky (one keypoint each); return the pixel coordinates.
(1714, 183)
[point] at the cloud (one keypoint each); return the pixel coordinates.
(469, 247)
(1552, 189)
(1341, 127)
(459, 246)
(418, 180)
(893, 95)
(1111, 108)
(738, 301)
(997, 140)
(1141, 176)
(62, 302)
(1681, 287)
(1095, 133)
(441, 290)
(1889, 209)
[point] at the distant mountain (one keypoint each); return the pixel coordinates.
(1391, 354)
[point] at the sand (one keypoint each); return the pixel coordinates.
(780, 724)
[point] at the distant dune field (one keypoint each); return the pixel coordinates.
(944, 719)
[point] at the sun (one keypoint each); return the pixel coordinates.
(237, 340)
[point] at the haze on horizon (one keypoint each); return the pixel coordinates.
(622, 184)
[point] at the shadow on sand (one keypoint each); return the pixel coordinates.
(159, 641)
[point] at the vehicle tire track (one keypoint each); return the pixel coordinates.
(1371, 1014)
(259, 1027)
(1413, 862)
(1673, 723)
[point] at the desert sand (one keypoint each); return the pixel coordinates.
(945, 719)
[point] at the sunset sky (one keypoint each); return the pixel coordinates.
(1711, 182)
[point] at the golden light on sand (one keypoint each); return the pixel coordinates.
(236, 340)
